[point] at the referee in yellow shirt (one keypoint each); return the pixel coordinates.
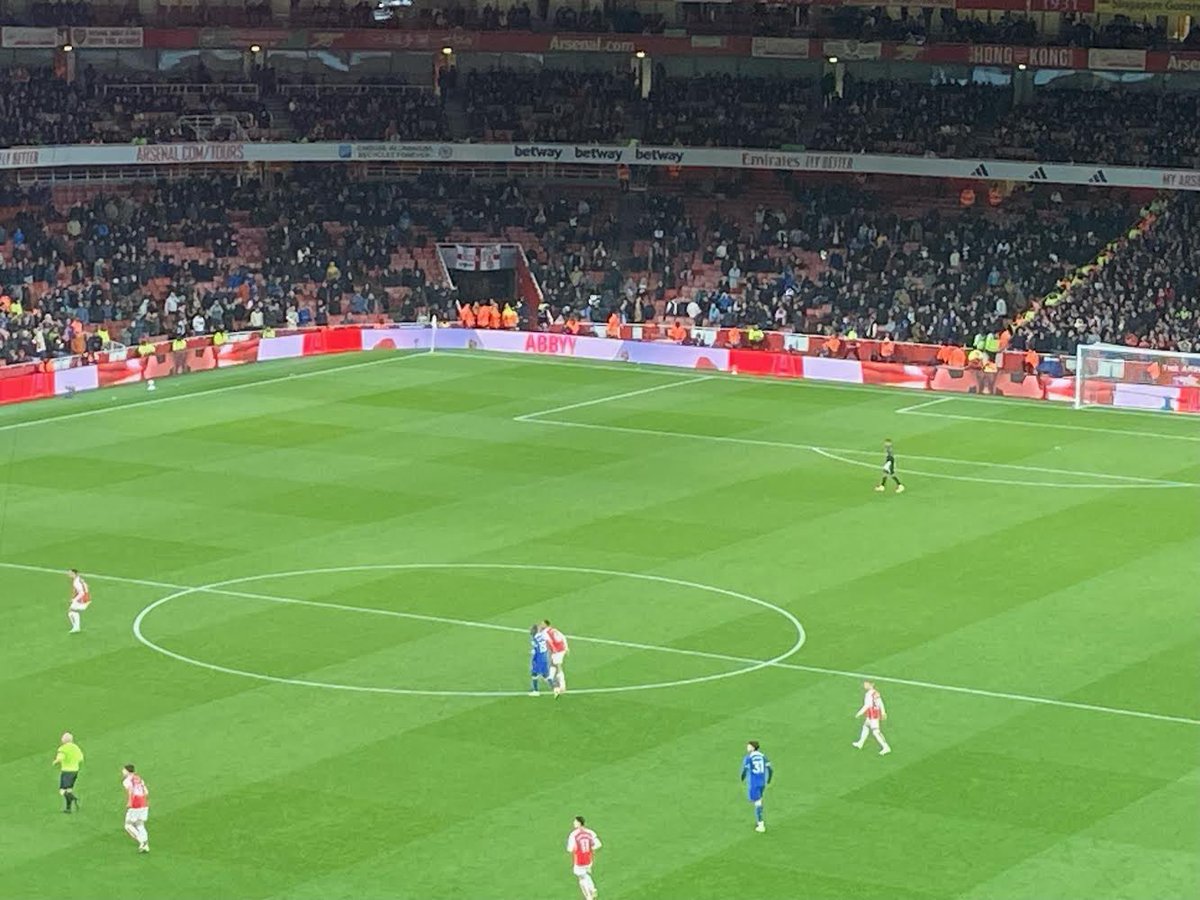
(68, 759)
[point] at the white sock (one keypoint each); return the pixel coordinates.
(880, 739)
(145, 837)
(132, 831)
(866, 729)
(562, 680)
(589, 886)
(73, 618)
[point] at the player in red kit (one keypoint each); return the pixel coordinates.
(872, 713)
(582, 844)
(137, 807)
(80, 598)
(558, 653)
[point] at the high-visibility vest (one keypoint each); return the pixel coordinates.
(179, 344)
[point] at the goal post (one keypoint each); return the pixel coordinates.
(1135, 378)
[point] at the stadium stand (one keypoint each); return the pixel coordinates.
(318, 247)
(165, 253)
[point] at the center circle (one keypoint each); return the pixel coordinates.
(752, 665)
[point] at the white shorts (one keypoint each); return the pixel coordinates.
(78, 607)
(580, 871)
(556, 659)
(135, 816)
(873, 724)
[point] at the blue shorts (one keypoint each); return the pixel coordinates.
(540, 667)
(755, 792)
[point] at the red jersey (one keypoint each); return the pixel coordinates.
(82, 596)
(136, 792)
(582, 845)
(872, 706)
(556, 640)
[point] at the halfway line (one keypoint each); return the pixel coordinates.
(816, 670)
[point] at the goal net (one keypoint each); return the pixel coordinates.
(1132, 378)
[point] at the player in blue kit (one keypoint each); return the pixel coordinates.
(757, 773)
(539, 661)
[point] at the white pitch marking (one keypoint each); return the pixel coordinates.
(624, 396)
(104, 410)
(1121, 481)
(829, 452)
(501, 358)
(815, 670)
(1094, 429)
(751, 665)
(934, 402)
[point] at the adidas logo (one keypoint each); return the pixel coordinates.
(1098, 178)
(980, 171)
(1038, 174)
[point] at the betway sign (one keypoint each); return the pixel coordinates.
(238, 152)
(615, 155)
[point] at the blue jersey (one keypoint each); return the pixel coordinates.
(757, 773)
(539, 662)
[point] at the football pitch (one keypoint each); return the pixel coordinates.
(313, 581)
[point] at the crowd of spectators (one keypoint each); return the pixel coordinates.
(1058, 125)
(550, 105)
(326, 248)
(729, 111)
(864, 23)
(37, 108)
(369, 111)
(1146, 295)
(932, 277)
(317, 245)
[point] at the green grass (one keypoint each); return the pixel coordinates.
(1082, 595)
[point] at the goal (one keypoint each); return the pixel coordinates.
(1133, 378)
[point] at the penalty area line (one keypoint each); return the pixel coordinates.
(796, 667)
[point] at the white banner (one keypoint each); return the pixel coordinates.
(857, 50)
(599, 155)
(489, 258)
(779, 48)
(16, 38)
(106, 38)
(1117, 60)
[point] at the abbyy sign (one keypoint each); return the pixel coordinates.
(551, 344)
